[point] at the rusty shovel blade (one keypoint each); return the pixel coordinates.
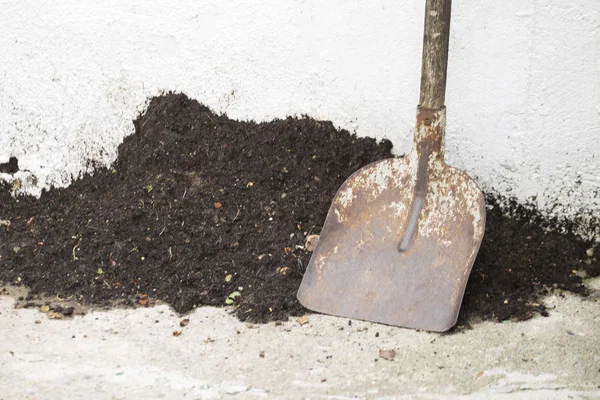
(360, 268)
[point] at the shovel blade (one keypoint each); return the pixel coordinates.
(357, 271)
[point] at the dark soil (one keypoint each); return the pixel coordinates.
(199, 206)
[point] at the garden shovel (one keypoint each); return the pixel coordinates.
(402, 234)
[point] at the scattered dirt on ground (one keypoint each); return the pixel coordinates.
(203, 210)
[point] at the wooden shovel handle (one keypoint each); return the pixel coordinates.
(435, 53)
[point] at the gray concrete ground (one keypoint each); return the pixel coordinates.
(129, 354)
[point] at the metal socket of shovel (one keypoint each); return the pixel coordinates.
(402, 234)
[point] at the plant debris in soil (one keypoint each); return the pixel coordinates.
(200, 209)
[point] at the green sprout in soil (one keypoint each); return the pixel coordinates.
(231, 298)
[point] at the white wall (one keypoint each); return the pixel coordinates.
(523, 90)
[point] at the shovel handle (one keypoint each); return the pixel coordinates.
(435, 53)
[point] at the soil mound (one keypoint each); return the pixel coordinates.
(199, 206)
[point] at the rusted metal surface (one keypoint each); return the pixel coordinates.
(360, 269)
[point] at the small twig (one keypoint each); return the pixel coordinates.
(300, 265)
(238, 212)
(148, 117)
(75, 248)
(236, 215)
(184, 192)
(259, 270)
(209, 117)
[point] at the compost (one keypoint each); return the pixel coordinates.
(199, 209)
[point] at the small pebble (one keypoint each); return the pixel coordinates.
(311, 243)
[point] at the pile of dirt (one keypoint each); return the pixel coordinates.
(520, 261)
(198, 207)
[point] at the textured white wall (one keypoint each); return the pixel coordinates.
(523, 90)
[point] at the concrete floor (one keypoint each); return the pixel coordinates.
(128, 354)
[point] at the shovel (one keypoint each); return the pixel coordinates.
(401, 235)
